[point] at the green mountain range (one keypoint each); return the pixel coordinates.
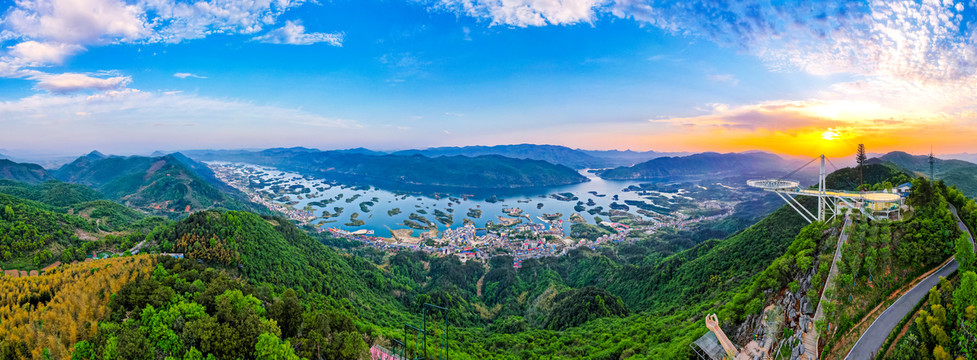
(961, 173)
(397, 171)
(171, 185)
(29, 173)
(555, 154)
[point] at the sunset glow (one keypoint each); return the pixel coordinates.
(829, 135)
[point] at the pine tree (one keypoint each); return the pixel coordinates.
(860, 158)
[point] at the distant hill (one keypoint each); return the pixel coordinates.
(457, 172)
(961, 173)
(615, 158)
(29, 173)
(553, 154)
(704, 164)
(361, 150)
(171, 185)
(968, 157)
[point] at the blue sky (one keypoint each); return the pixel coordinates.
(137, 76)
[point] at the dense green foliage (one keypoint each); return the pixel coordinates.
(877, 173)
(187, 311)
(578, 306)
(946, 326)
(266, 249)
(109, 215)
(882, 256)
(27, 226)
(52, 192)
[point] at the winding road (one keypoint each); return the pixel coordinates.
(871, 341)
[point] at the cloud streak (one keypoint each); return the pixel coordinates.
(72, 82)
(293, 33)
(524, 13)
(184, 75)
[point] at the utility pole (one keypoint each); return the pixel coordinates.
(860, 158)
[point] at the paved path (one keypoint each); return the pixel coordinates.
(811, 338)
(871, 341)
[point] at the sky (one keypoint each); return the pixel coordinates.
(792, 77)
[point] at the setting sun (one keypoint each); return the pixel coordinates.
(829, 135)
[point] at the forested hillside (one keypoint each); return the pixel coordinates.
(44, 316)
(957, 173)
(167, 185)
(29, 173)
(255, 284)
(550, 297)
(885, 174)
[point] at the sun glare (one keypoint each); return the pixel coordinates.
(829, 135)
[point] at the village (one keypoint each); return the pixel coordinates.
(521, 241)
(513, 231)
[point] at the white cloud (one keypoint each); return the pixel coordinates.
(294, 33)
(33, 53)
(177, 21)
(523, 13)
(72, 82)
(52, 30)
(77, 21)
(109, 21)
(184, 75)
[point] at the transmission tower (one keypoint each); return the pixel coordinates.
(932, 160)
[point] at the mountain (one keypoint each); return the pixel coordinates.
(553, 154)
(961, 173)
(399, 171)
(968, 157)
(29, 173)
(874, 171)
(704, 164)
(361, 150)
(172, 185)
(615, 158)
